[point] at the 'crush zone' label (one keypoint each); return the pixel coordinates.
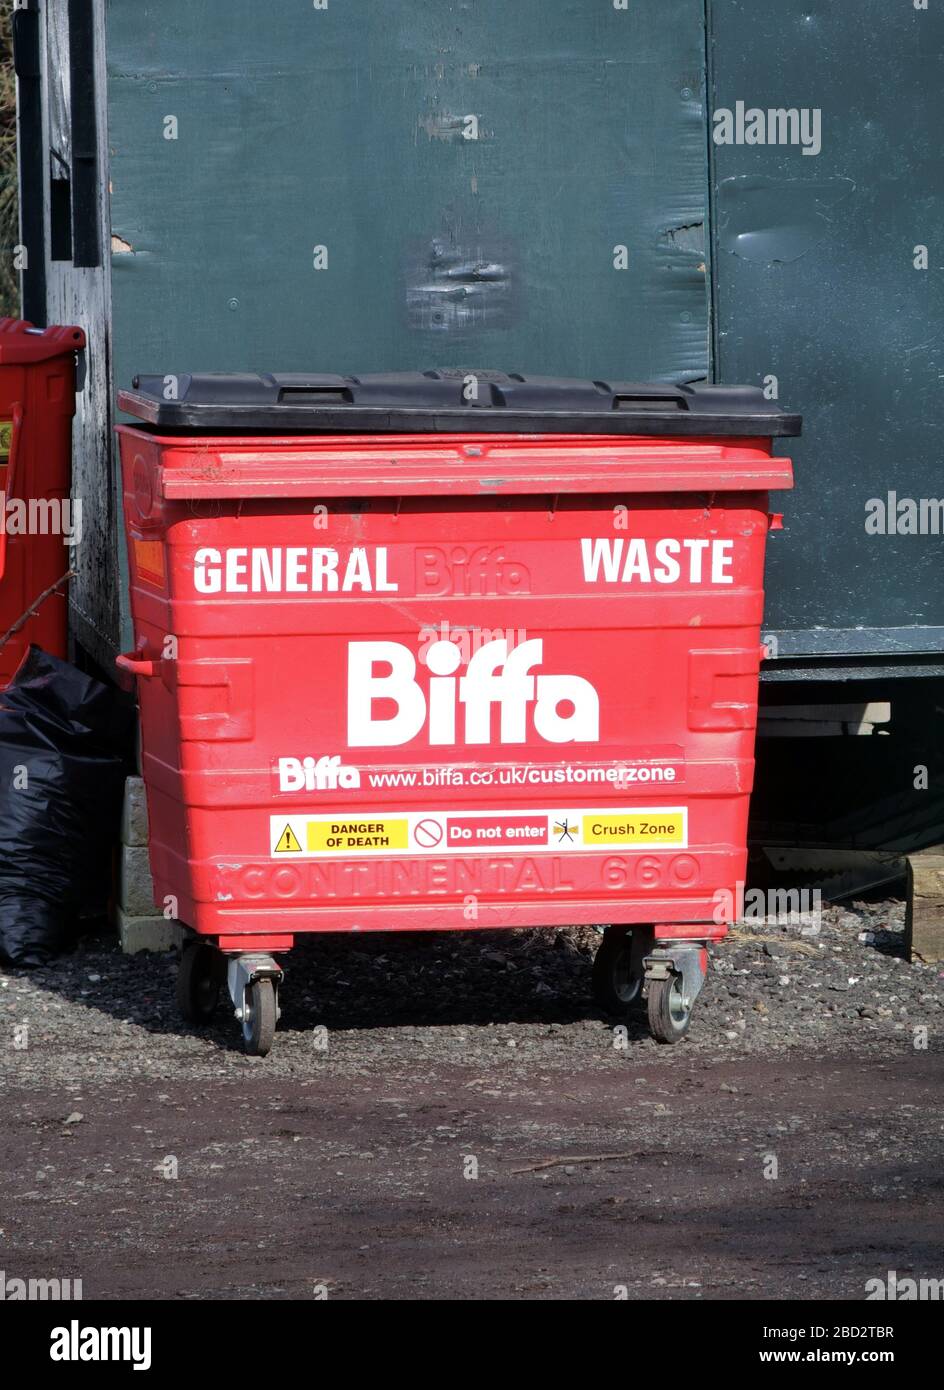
(464, 832)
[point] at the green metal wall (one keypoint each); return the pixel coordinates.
(815, 283)
(345, 127)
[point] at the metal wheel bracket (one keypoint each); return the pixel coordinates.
(684, 961)
(243, 971)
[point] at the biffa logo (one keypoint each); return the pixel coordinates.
(494, 676)
(305, 774)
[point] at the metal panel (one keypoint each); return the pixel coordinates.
(815, 283)
(350, 127)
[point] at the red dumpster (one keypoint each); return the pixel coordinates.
(37, 521)
(438, 651)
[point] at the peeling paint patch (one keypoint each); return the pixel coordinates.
(689, 237)
(120, 247)
(769, 220)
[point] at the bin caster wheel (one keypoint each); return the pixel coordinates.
(617, 973)
(199, 980)
(260, 1015)
(669, 1015)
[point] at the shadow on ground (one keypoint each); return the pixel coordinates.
(393, 980)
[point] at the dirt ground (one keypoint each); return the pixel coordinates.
(451, 1117)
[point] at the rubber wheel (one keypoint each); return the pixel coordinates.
(259, 1018)
(616, 988)
(668, 1016)
(199, 978)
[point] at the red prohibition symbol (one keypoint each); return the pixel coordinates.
(428, 833)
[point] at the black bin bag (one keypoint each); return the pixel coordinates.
(65, 740)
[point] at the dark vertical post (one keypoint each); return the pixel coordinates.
(31, 162)
(86, 194)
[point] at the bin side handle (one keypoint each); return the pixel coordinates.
(12, 458)
(137, 664)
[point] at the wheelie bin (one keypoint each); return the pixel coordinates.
(447, 651)
(37, 519)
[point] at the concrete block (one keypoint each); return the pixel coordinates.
(147, 933)
(134, 817)
(136, 894)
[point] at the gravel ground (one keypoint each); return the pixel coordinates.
(455, 995)
(342, 1161)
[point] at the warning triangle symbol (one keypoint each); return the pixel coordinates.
(288, 842)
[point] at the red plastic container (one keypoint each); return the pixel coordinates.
(37, 403)
(454, 680)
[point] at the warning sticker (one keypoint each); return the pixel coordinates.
(470, 832)
(6, 439)
(287, 842)
(636, 827)
(349, 835)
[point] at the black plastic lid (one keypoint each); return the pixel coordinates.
(443, 401)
